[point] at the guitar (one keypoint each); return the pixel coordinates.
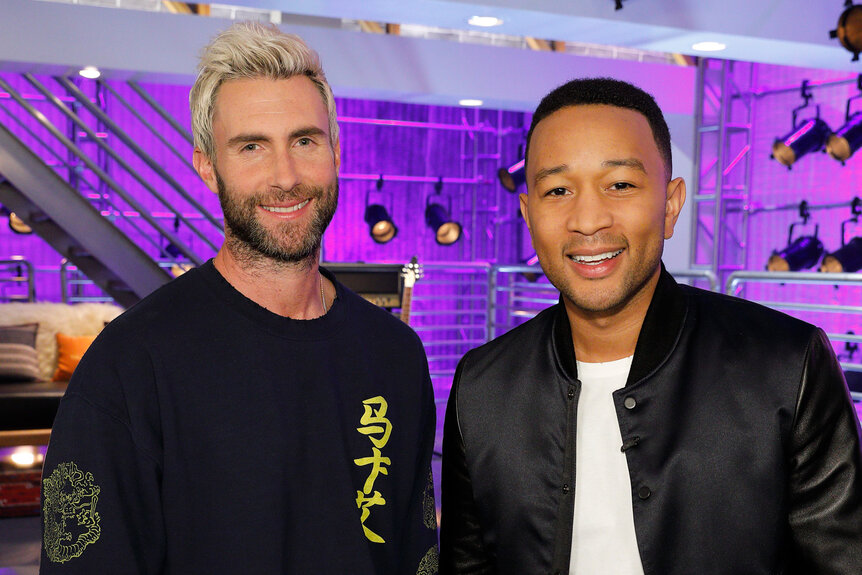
(411, 272)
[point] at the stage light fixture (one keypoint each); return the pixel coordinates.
(381, 228)
(17, 225)
(849, 30)
(847, 258)
(800, 254)
(807, 136)
(512, 177)
(437, 217)
(844, 143)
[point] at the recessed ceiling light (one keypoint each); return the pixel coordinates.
(708, 46)
(90, 72)
(484, 21)
(470, 102)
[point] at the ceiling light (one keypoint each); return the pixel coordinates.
(708, 46)
(484, 21)
(90, 72)
(470, 102)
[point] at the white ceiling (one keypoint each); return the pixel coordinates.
(791, 32)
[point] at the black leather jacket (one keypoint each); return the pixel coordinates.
(742, 445)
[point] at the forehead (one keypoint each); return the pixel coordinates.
(242, 101)
(597, 129)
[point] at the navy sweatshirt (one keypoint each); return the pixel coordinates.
(202, 433)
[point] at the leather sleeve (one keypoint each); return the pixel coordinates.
(462, 550)
(825, 468)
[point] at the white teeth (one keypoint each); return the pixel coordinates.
(276, 210)
(596, 258)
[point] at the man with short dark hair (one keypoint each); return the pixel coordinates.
(640, 426)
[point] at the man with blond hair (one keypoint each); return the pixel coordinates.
(254, 415)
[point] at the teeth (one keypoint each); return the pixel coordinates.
(276, 210)
(596, 258)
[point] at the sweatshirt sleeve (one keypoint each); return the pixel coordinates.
(420, 544)
(101, 508)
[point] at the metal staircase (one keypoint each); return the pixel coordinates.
(92, 191)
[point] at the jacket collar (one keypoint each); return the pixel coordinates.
(658, 337)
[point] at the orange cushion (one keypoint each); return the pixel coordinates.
(70, 349)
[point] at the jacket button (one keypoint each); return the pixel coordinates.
(566, 488)
(571, 393)
(630, 402)
(644, 492)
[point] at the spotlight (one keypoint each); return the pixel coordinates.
(807, 136)
(446, 231)
(844, 143)
(17, 225)
(848, 258)
(801, 253)
(849, 30)
(512, 177)
(381, 227)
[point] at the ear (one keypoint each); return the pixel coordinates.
(673, 205)
(336, 152)
(525, 212)
(205, 169)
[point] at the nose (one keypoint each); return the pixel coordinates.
(284, 174)
(588, 213)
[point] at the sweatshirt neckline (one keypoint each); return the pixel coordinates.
(321, 327)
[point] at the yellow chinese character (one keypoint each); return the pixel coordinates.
(375, 421)
(377, 461)
(364, 503)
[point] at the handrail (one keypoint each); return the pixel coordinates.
(182, 246)
(162, 112)
(146, 158)
(814, 278)
(30, 276)
(100, 173)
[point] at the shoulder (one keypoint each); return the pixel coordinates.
(736, 323)
(377, 323)
(514, 345)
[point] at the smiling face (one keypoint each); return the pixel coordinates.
(599, 207)
(275, 170)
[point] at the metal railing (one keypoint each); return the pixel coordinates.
(822, 304)
(17, 281)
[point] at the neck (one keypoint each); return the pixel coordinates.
(613, 334)
(287, 289)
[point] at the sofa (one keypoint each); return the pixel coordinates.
(40, 344)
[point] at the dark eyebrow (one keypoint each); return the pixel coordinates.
(252, 137)
(632, 163)
(547, 172)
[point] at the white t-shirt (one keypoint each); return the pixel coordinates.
(603, 538)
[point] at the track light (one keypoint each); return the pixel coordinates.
(848, 258)
(844, 143)
(801, 253)
(381, 228)
(807, 136)
(512, 177)
(437, 217)
(849, 30)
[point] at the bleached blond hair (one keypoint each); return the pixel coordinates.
(252, 50)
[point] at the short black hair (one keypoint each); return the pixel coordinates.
(611, 92)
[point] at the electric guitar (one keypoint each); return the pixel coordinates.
(411, 272)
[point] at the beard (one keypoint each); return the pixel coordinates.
(595, 296)
(289, 242)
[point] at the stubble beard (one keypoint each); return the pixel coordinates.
(291, 243)
(599, 300)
